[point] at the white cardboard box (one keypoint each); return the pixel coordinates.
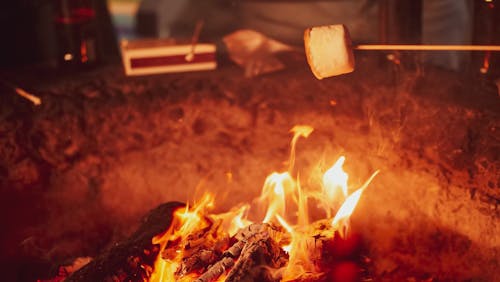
(143, 57)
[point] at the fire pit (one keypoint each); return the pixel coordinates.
(80, 170)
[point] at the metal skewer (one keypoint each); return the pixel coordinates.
(429, 47)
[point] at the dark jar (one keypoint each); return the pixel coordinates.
(76, 33)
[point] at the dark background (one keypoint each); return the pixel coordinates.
(28, 32)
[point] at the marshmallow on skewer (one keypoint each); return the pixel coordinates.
(329, 50)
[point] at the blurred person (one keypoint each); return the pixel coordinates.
(441, 21)
(282, 20)
(447, 22)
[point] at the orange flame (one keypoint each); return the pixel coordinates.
(185, 222)
(334, 181)
(298, 131)
(234, 220)
(348, 207)
(276, 187)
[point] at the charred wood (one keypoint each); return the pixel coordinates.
(235, 250)
(260, 231)
(216, 270)
(252, 258)
(133, 259)
(198, 262)
(203, 248)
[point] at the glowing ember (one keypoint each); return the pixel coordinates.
(200, 246)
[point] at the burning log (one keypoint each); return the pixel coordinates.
(132, 259)
(235, 250)
(261, 231)
(254, 253)
(225, 263)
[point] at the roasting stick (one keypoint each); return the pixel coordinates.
(329, 50)
(429, 47)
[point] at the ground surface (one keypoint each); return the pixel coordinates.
(78, 172)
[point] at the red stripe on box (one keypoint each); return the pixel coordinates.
(170, 60)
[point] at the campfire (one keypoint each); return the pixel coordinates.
(292, 232)
(287, 243)
(436, 213)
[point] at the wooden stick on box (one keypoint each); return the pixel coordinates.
(143, 57)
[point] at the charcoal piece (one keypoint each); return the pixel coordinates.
(130, 259)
